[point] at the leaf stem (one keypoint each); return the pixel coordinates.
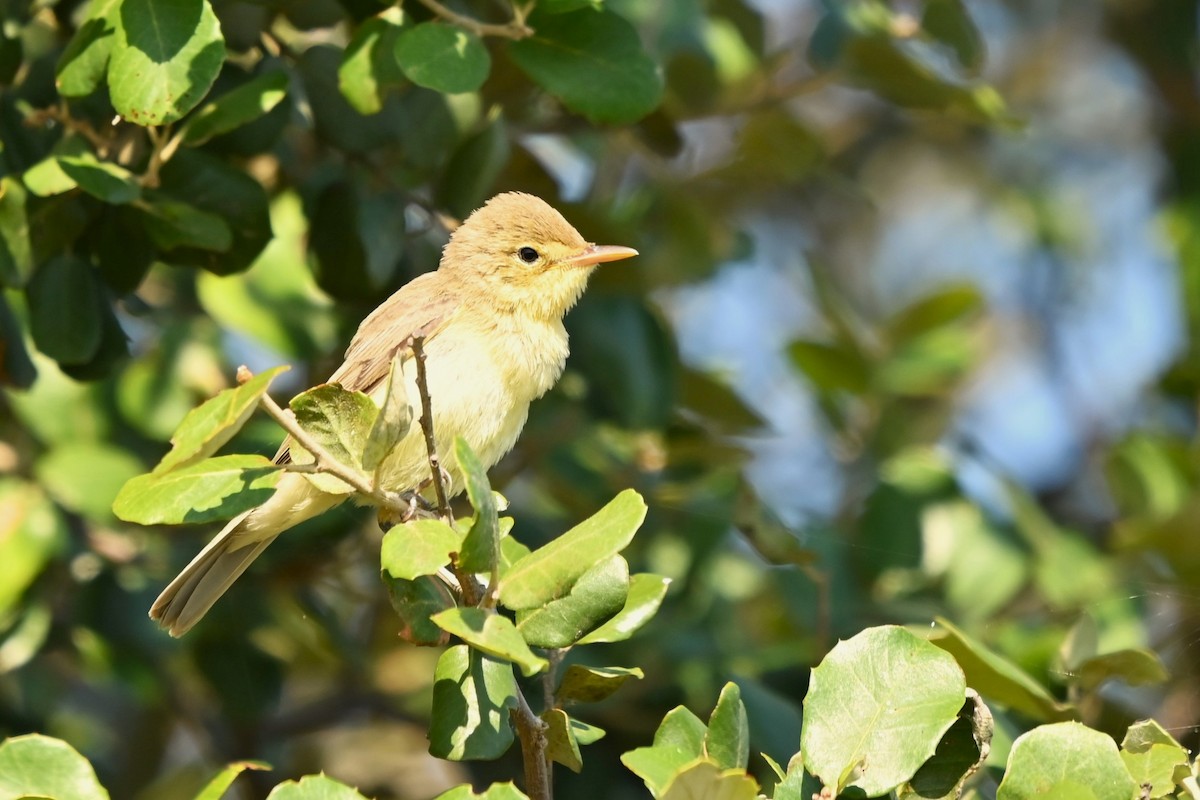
(515, 29)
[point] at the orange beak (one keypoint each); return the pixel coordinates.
(595, 254)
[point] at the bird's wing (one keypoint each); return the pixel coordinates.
(417, 309)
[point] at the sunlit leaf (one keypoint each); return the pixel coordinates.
(419, 547)
(442, 57)
(215, 789)
(704, 780)
(1065, 759)
(646, 593)
(314, 787)
(83, 64)
(727, 742)
(338, 420)
(472, 695)
(678, 741)
(37, 766)
(393, 421)
(598, 595)
(32, 532)
(481, 546)
(210, 425)
(165, 56)
(369, 67)
(213, 489)
(582, 684)
(561, 745)
(492, 634)
(497, 791)
(238, 107)
(16, 259)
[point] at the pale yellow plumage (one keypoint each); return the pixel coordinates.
(495, 342)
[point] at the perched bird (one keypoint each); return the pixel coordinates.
(492, 314)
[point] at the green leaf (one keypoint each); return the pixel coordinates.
(369, 67)
(208, 426)
(442, 57)
(16, 259)
(592, 60)
(414, 602)
(831, 367)
(85, 476)
(16, 367)
(598, 595)
(38, 766)
(679, 740)
(46, 177)
(1065, 759)
(550, 571)
(83, 63)
(883, 698)
(497, 791)
(32, 533)
(1141, 736)
(314, 787)
(646, 593)
(174, 224)
(213, 489)
(274, 303)
(418, 547)
(393, 421)
(933, 311)
(704, 780)
(165, 57)
(1156, 766)
(481, 547)
(960, 752)
(65, 313)
(1134, 666)
(561, 746)
(338, 420)
(493, 634)
(470, 177)
(101, 179)
(215, 789)
(581, 684)
(948, 22)
(997, 678)
(727, 742)
(472, 695)
(217, 187)
(236, 108)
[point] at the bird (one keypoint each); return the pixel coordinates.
(492, 314)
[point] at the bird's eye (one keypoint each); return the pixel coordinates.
(528, 255)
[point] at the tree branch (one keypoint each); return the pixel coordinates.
(515, 29)
(417, 345)
(532, 733)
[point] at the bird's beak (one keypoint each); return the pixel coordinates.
(595, 254)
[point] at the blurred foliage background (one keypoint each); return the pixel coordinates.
(913, 333)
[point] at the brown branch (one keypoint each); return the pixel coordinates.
(515, 29)
(417, 344)
(531, 730)
(324, 461)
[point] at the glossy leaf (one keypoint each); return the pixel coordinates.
(393, 421)
(704, 780)
(369, 67)
(165, 56)
(314, 787)
(213, 489)
(492, 634)
(883, 698)
(472, 695)
(678, 741)
(419, 547)
(83, 64)
(415, 602)
(236, 108)
(210, 425)
(497, 791)
(215, 789)
(582, 684)
(646, 593)
(442, 57)
(38, 766)
(997, 678)
(1066, 759)
(338, 420)
(596, 597)
(16, 259)
(592, 60)
(550, 571)
(175, 224)
(65, 309)
(727, 742)
(481, 546)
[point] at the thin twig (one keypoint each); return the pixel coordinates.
(326, 462)
(516, 29)
(62, 115)
(417, 344)
(531, 730)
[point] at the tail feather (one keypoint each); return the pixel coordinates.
(205, 579)
(226, 557)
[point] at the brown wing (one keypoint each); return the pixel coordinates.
(421, 307)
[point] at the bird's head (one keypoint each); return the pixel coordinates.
(521, 253)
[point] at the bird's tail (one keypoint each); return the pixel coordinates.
(226, 557)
